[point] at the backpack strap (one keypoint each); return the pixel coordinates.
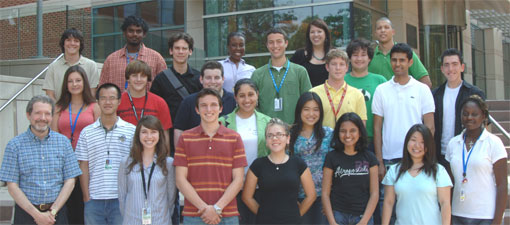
(176, 83)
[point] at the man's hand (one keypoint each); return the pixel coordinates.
(209, 215)
(86, 198)
(44, 218)
(382, 171)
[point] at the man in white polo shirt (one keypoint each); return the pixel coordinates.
(398, 104)
(100, 148)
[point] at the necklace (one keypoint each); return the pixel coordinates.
(320, 59)
(277, 164)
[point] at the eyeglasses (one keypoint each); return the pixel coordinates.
(105, 98)
(277, 135)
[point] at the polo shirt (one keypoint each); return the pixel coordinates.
(162, 87)
(296, 83)
(380, 64)
(366, 85)
(401, 107)
(187, 117)
(155, 106)
(96, 145)
(353, 102)
(210, 162)
(232, 72)
(55, 74)
(39, 167)
(114, 67)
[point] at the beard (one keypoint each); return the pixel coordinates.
(40, 128)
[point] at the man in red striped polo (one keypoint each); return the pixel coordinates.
(209, 161)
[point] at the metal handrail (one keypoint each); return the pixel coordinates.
(500, 128)
(29, 83)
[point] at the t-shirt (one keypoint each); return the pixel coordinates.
(380, 64)
(366, 85)
(155, 106)
(480, 190)
(350, 188)
(401, 107)
(416, 197)
(247, 128)
(316, 72)
(449, 99)
(278, 190)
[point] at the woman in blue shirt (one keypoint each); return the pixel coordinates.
(309, 140)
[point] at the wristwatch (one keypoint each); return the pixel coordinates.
(217, 209)
(53, 212)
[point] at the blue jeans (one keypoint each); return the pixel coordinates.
(192, 220)
(457, 220)
(314, 215)
(102, 212)
(349, 219)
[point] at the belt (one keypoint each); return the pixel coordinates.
(44, 207)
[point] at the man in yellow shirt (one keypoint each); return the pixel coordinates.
(336, 95)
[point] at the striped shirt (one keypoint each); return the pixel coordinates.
(39, 167)
(97, 145)
(210, 162)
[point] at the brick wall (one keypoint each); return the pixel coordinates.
(7, 3)
(19, 35)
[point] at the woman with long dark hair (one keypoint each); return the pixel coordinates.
(420, 185)
(350, 187)
(478, 162)
(147, 177)
(313, 55)
(310, 141)
(75, 109)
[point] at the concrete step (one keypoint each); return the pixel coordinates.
(498, 104)
(505, 140)
(504, 124)
(500, 115)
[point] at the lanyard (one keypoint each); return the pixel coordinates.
(128, 59)
(145, 191)
(331, 100)
(73, 126)
(283, 78)
(465, 161)
(133, 105)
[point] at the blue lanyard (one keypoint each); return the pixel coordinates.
(464, 161)
(73, 126)
(283, 78)
(127, 62)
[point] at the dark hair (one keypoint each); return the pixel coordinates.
(276, 31)
(429, 159)
(42, 99)
(296, 128)
(138, 66)
(207, 91)
(452, 52)
(352, 117)
(245, 81)
(136, 21)
(161, 149)
(211, 65)
(107, 86)
(180, 36)
(360, 44)
(308, 43)
(71, 33)
(402, 48)
(479, 102)
(235, 34)
(65, 96)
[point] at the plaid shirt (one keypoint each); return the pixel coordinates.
(114, 67)
(39, 167)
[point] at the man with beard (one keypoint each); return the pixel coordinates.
(134, 30)
(39, 167)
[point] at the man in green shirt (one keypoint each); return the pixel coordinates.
(360, 54)
(380, 63)
(280, 82)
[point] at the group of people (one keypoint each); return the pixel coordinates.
(296, 141)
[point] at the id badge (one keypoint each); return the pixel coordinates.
(278, 104)
(146, 216)
(462, 195)
(108, 165)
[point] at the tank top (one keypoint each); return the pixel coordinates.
(86, 118)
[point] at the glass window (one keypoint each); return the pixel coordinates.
(362, 20)
(337, 17)
(103, 46)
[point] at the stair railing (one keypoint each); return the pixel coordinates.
(29, 83)
(500, 128)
